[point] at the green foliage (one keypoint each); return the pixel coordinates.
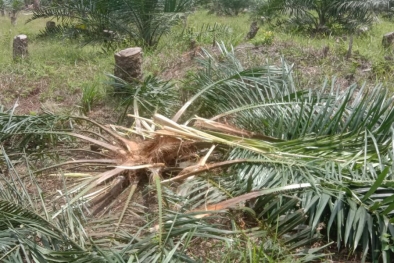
(387, 242)
(17, 5)
(13, 5)
(336, 141)
(223, 79)
(203, 2)
(382, 68)
(231, 7)
(263, 38)
(206, 34)
(145, 97)
(142, 22)
(91, 95)
(385, 8)
(64, 237)
(28, 233)
(320, 16)
(172, 233)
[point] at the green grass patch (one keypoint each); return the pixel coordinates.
(67, 65)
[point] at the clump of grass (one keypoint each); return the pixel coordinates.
(92, 94)
(206, 33)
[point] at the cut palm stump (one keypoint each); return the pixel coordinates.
(388, 40)
(20, 47)
(128, 64)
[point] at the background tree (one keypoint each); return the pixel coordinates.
(16, 6)
(142, 22)
(2, 8)
(231, 7)
(321, 16)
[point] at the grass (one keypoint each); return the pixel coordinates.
(56, 69)
(367, 64)
(174, 48)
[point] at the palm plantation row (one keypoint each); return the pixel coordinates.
(242, 161)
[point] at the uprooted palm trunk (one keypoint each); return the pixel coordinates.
(127, 161)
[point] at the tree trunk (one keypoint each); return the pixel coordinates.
(20, 47)
(2, 12)
(36, 4)
(128, 64)
(253, 30)
(322, 22)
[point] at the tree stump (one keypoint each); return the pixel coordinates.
(253, 30)
(50, 26)
(325, 51)
(20, 47)
(388, 40)
(128, 64)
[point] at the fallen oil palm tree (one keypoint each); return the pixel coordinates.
(296, 161)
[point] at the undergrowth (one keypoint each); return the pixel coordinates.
(65, 64)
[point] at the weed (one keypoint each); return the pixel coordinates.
(206, 34)
(263, 38)
(92, 93)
